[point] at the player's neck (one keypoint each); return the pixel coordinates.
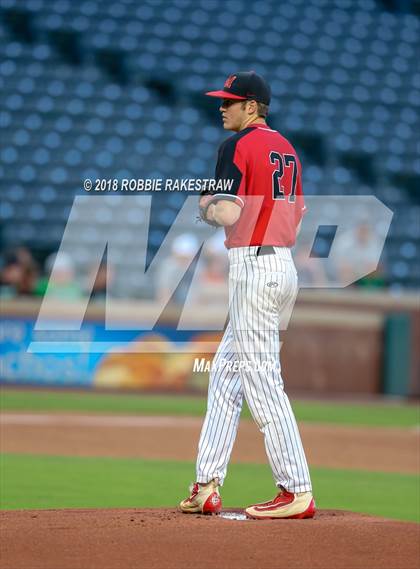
(252, 120)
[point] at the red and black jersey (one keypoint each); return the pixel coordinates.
(267, 184)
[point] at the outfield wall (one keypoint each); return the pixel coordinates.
(351, 342)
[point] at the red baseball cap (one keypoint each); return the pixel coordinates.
(243, 86)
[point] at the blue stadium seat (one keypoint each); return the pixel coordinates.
(348, 74)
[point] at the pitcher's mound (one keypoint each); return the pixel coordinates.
(166, 539)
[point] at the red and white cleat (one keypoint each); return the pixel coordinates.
(203, 499)
(285, 505)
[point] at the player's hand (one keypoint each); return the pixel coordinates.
(206, 209)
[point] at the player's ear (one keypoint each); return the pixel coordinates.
(252, 108)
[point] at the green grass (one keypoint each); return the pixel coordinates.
(33, 481)
(373, 414)
(16, 400)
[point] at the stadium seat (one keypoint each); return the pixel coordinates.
(95, 89)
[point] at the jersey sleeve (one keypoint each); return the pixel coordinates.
(231, 167)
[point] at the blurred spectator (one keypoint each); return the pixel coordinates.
(184, 248)
(62, 281)
(19, 274)
(214, 268)
(310, 270)
(103, 282)
(215, 261)
(357, 250)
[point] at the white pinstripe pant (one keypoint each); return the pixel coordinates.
(262, 293)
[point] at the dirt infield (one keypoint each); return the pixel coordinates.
(332, 446)
(165, 539)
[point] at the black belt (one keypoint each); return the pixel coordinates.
(265, 250)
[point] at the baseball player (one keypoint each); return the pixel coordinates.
(261, 214)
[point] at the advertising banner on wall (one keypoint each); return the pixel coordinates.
(123, 364)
